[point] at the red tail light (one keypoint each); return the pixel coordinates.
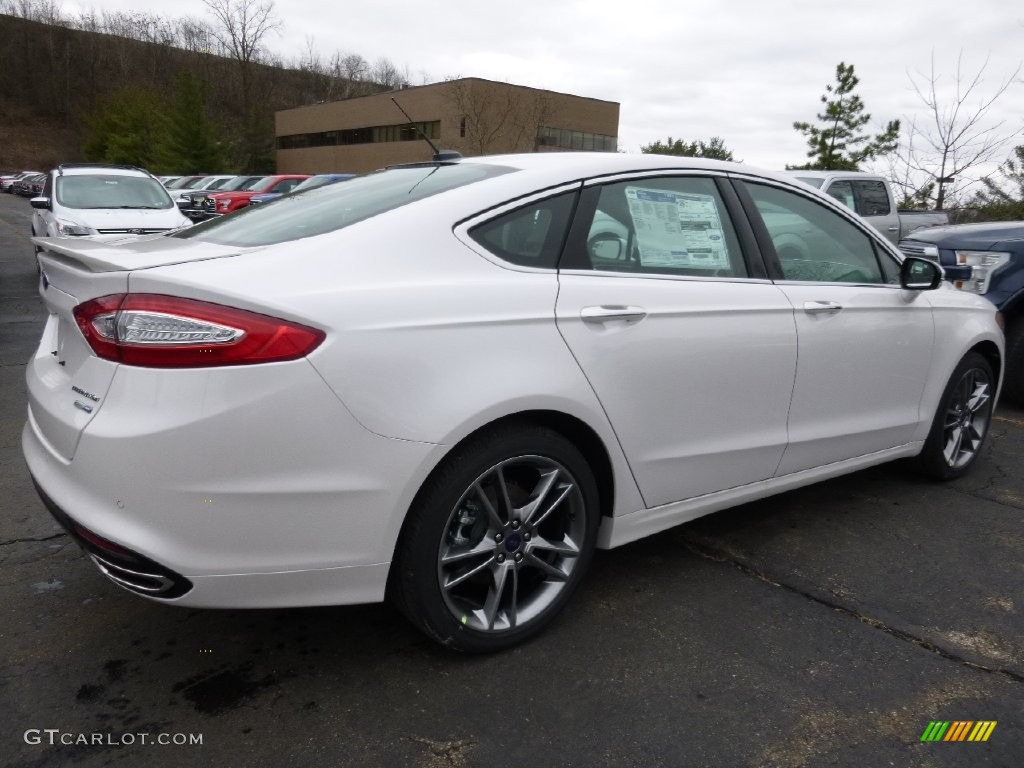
(157, 331)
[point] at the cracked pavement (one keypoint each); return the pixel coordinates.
(823, 627)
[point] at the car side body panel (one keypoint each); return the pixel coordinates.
(400, 336)
(861, 374)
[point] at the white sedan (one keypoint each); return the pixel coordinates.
(448, 383)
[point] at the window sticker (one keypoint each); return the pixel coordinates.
(677, 229)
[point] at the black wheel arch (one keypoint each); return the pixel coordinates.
(990, 352)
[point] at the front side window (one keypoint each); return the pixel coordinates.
(813, 243)
(843, 192)
(111, 191)
(663, 225)
(531, 236)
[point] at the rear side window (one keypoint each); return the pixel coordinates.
(866, 197)
(872, 198)
(531, 236)
(336, 206)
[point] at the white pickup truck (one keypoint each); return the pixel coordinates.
(872, 198)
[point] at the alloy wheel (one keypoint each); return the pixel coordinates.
(967, 418)
(511, 544)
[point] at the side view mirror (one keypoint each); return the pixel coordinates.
(917, 274)
(606, 246)
(40, 202)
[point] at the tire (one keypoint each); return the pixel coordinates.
(497, 540)
(962, 421)
(1013, 380)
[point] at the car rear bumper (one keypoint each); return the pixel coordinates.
(239, 488)
(122, 566)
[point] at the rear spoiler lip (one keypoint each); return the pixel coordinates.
(97, 256)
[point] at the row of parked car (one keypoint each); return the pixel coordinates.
(102, 200)
(24, 183)
(197, 197)
(202, 197)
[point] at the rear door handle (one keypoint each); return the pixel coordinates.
(605, 313)
(821, 307)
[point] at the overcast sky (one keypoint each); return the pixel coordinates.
(740, 69)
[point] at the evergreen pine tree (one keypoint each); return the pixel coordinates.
(838, 141)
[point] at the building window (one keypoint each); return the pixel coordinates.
(371, 135)
(564, 138)
(462, 128)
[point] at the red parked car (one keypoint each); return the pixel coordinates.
(220, 203)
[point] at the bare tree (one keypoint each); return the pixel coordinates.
(915, 189)
(353, 73)
(941, 157)
(351, 66)
(499, 117)
(43, 11)
(387, 74)
(242, 25)
(195, 35)
(319, 78)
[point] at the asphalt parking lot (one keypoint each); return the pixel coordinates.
(826, 626)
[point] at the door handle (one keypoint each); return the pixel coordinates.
(894, 228)
(605, 313)
(820, 307)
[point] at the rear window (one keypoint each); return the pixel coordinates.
(111, 191)
(263, 184)
(239, 182)
(336, 206)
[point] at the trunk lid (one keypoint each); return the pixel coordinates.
(67, 382)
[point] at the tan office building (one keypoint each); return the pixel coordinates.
(469, 115)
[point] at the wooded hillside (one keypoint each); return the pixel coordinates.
(57, 83)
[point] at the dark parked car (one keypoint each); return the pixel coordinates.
(987, 259)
